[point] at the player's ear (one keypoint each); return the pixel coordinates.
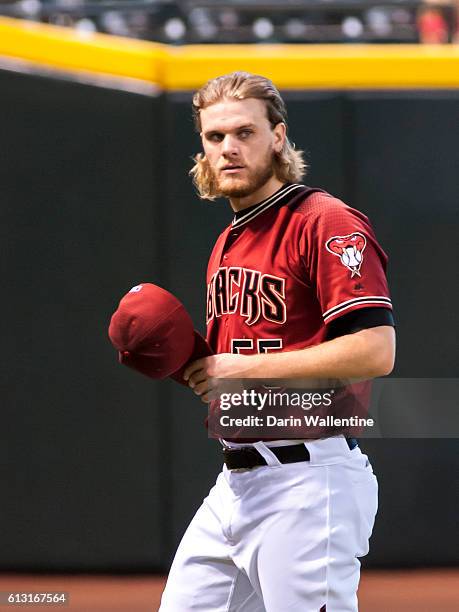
(280, 133)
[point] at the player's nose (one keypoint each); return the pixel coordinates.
(229, 145)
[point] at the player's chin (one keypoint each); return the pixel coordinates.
(232, 187)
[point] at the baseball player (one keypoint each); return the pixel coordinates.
(296, 288)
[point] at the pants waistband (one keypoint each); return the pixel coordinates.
(249, 457)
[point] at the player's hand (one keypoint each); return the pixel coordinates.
(202, 375)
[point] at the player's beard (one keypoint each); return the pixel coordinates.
(235, 187)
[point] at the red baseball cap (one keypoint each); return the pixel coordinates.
(154, 334)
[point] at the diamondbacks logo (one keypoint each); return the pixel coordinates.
(349, 249)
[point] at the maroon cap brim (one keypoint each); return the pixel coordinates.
(201, 349)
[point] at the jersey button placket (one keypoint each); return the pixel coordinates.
(228, 244)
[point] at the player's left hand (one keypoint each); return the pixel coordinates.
(202, 374)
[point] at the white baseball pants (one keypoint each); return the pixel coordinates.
(279, 538)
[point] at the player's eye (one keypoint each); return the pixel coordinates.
(244, 134)
(215, 137)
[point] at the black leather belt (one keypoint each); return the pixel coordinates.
(248, 457)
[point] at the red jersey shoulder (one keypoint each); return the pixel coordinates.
(332, 226)
(342, 256)
(323, 208)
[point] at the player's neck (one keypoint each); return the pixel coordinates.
(270, 187)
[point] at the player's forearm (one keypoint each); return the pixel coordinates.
(365, 354)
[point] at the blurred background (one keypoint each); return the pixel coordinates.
(251, 21)
(101, 469)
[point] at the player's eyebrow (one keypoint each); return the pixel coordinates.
(238, 128)
(245, 127)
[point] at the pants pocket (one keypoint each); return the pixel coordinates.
(366, 498)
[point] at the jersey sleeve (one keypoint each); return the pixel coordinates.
(345, 264)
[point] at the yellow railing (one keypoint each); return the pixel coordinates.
(187, 67)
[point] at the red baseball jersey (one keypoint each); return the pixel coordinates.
(287, 267)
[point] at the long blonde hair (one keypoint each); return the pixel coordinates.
(288, 164)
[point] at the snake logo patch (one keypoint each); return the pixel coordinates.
(349, 249)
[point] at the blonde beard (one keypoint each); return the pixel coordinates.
(243, 188)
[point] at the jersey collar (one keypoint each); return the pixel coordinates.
(244, 217)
